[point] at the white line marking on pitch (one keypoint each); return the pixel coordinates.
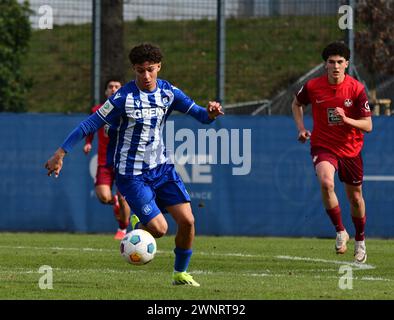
(194, 272)
(58, 248)
(115, 250)
(353, 264)
(267, 273)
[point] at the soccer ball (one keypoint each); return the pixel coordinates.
(138, 247)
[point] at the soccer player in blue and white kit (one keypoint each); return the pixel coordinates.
(136, 114)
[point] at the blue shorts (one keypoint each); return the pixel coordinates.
(151, 192)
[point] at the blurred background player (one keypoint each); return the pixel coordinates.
(341, 115)
(144, 174)
(105, 174)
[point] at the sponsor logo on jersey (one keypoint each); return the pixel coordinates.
(333, 118)
(366, 106)
(117, 95)
(146, 209)
(146, 113)
(348, 103)
(106, 108)
(166, 101)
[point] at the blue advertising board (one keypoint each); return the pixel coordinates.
(246, 176)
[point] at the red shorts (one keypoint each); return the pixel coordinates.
(350, 170)
(105, 175)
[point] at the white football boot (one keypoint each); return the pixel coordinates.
(341, 241)
(360, 252)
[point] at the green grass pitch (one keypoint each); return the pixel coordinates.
(89, 266)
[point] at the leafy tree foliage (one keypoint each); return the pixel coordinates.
(15, 31)
(375, 43)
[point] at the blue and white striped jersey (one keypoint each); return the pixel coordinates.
(137, 120)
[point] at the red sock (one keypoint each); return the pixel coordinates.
(123, 225)
(336, 218)
(116, 209)
(359, 224)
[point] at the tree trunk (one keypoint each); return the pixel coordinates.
(112, 49)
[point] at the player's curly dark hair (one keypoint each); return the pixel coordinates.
(336, 48)
(145, 52)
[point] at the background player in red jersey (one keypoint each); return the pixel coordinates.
(341, 115)
(105, 175)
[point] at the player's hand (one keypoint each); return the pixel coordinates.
(55, 163)
(304, 135)
(214, 109)
(87, 148)
(340, 113)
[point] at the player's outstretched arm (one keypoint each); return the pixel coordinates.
(88, 143)
(214, 110)
(185, 104)
(87, 148)
(88, 126)
(364, 124)
(55, 163)
(298, 115)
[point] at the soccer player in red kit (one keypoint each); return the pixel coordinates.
(105, 174)
(341, 115)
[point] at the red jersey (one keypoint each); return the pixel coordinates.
(329, 131)
(103, 141)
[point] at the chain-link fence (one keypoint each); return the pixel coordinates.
(268, 45)
(59, 59)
